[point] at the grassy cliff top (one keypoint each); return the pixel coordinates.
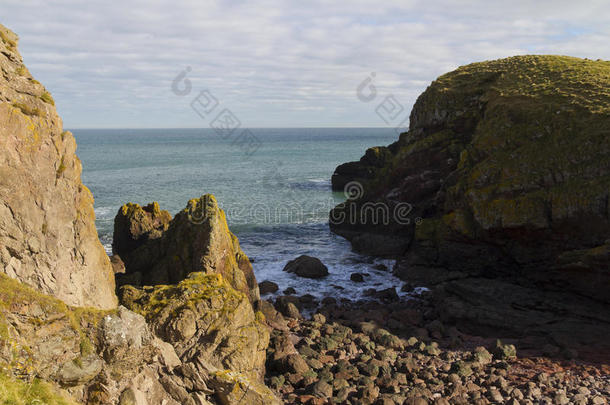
(545, 78)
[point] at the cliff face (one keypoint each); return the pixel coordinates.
(507, 167)
(48, 238)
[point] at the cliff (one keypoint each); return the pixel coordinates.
(196, 339)
(48, 238)
(506, 166)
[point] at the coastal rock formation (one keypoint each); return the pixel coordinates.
(48, 238)
(206, 320)
(368, 167)
(506, 172)
(134, 225)
(103, 357)
(62, 338)
(159, 250)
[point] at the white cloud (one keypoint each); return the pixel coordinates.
(276, 63)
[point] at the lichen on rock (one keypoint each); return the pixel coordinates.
(203, 317)
(165, 250)
(48, 238)
(510, 157)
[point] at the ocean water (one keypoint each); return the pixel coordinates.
(274, 186)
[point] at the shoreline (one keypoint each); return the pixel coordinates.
(440, 365)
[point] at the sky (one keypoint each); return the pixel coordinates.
(271, 63)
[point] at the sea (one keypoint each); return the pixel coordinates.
(274, 185)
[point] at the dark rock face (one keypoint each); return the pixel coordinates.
(506, 167)
(366, 168)
(135, 225)
(307, 266)
(159, 250)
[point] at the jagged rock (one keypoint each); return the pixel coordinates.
(134, 225)
(234, 388)
(367, 168)
(506, 163)
(197, 239)
(203, 317)
(48, 238)
(307, 266)
(118, 267)
(273, 318)
(123, 331)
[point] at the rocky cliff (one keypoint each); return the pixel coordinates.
(506, 166)
(157, 249)
(48, 238)
(194, 340)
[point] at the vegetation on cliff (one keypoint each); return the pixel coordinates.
(511, 156)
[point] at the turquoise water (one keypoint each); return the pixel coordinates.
(275, 189)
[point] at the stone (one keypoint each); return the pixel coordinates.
(357, 277)
(505, 351)
(307, 266)
(234, 388)
(272, 317)
(79, 370)
(267, 287)
(48, 238)
(322, 389)
(481, 356)
(135, 225)
(125, 328)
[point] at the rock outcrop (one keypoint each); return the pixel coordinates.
(107, 357)
(506, 173)
(206, 320)
(48, 238)
(159, 250)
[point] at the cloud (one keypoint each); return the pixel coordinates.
(276, 63)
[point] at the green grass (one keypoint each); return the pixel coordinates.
(18, 392)
(21, 71)
(27, 110)
(11, 44)
(62, 168)
(46, 97)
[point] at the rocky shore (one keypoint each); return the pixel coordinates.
(398, 352)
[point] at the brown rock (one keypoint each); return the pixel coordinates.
(196, 240)
(48, 238)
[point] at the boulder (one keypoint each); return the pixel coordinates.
(48, 238)
(267, 287)
(158, 251)
(307, 266)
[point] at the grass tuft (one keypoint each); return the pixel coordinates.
(17, 392)
(46, 97)
(27, 110)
